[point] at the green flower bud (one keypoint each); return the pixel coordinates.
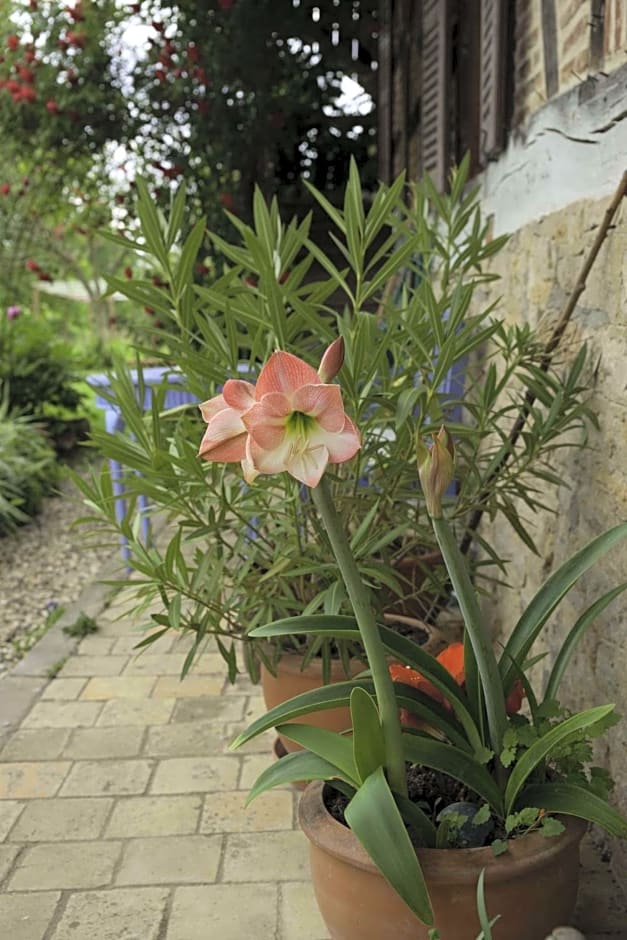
(436, 469)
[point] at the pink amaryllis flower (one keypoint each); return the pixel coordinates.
(291, 420)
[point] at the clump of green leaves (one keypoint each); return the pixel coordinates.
(84, 625)
(28, 469)
(401, 284)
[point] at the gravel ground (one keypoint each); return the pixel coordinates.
(43, 565)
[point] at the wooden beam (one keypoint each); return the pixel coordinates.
(597, 35)
(549, 40)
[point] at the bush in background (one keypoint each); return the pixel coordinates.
(28, 469)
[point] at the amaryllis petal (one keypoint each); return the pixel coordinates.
(267, 419)
(238, 394)
(224, 427)
(230, 451)
(210, 408)
(308, 466)
(284, 372)
(344, 445)
(322, 402)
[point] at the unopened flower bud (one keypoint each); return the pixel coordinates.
(436, 469)
(332, 361)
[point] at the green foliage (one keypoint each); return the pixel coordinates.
(36, 377)
(28, 469)
(84, 625)
(399, 287)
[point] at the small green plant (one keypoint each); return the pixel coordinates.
(84, 625)
(53, 671)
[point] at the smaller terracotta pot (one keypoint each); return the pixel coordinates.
(291, 680)
(533, 886)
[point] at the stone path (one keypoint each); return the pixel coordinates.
(122, 811)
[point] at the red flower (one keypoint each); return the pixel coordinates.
(32, 265)
(5, 189)
(52, 106)
(75, 12)
(27, 93)
(29, 55)
(77, 39)
(44, 276)
(227, 201)
(226, 4)
(128, 273)
(26, 75)
(13, 42)
(452, 658)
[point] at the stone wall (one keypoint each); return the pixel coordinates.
(539, 269)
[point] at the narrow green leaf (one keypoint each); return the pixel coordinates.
(571, 800)
(376, 821)
(550, 595)
(547, 743)
(328, 696)
(450, 760)
(301, 765)
(570, 643)
(329, 745)
(368, 740)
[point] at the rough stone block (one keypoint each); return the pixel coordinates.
(117, 914)
(62, 715)
(115, 687)
(266, 856)
(96, 645)
(26, 916)
(195, 774)
(31, 780)
(63, 689)
(225, 812)
(45, 744)
(209, 708)
(93, 743)
(62, 820)
(107, 777)
(9, 811)
(135, 712)
(65, 865)
(299, 917)
(89, 666)
(185, 739)
(154, 816)
(234, 912)
(170, 860)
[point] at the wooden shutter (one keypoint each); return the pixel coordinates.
(494, 77)
(384, 94)
(436, 84)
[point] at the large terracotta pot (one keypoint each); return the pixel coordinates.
(291, 680)
(533, 886)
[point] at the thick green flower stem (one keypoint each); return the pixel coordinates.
(487, 665)
(359, 596)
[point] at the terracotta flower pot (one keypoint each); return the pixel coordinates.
(533, 886)
(291, 680)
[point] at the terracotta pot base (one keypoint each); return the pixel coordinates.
(533, 886)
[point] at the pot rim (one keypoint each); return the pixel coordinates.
(525, 854)
(290, 664)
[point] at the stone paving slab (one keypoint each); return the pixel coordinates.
(122, 810)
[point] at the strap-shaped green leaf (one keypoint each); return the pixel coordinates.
(321, 624)
(368, 740)
(547, 743)
(570, 643)
(571, 800)
(328, 696)
(432, 714)
(329, 745)
(301, 765)
(450, 760)
(375, 819)
(416, 817)
(550, 595)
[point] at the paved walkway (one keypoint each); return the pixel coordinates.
(121, 810)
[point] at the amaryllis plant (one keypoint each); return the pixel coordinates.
(457, 714)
